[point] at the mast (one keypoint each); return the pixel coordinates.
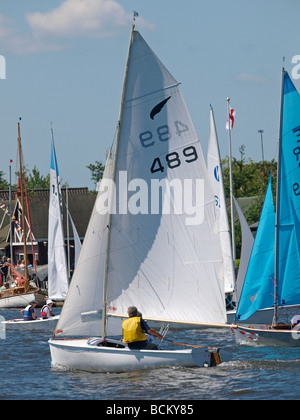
(23, 210)
(104, 307)
(231, 187)
(275, 321)
(10, 217)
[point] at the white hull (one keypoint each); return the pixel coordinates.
(20, 301)
(265, 335)
(38, 325)
(80, 355)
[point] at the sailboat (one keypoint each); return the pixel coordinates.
(137, 250)
(274, 269)
(57, 266)
(21, 293)
(233, 286)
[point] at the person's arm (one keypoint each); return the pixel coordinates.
(33, 315)
(151, 331)
(156, 334)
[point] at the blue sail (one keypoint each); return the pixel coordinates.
(258, 290)
(289, 203)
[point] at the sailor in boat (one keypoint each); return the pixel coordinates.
(135, 330)
(46, 311)
(29, 312)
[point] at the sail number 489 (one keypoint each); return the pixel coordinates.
(163, 134)
(173, 159)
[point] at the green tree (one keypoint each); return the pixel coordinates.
(97, 170)
(3, 182)
(34, 180)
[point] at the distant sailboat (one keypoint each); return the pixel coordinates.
(277, 262)
(20, 290)
(168, 263)
(214, 166)
(57, 262)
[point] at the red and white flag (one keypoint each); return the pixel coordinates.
(230, 121)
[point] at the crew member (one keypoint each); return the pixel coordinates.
(29, 312)
(46, 311)
(133, 331)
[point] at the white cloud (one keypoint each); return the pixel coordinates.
(77, 18)
(50, 31)
(247, 77)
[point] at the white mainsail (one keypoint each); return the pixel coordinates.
(214, 167)
(165, 261)
(57, 263)
(161, 254)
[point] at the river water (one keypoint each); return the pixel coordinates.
(252, 373)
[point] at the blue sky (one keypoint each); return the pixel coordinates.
(65, 64)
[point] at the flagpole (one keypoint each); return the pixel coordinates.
(231, 186)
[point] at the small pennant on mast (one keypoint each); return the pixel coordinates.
(135, 15)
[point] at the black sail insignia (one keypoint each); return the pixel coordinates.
(156, 110)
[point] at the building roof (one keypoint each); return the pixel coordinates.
(80, 200)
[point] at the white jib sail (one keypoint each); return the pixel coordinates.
(82, 311)
(165, 256)
(214, 167)
(57, 263)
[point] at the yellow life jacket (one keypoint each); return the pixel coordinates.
(132, 330)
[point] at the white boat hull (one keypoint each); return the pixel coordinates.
(21, 300)
(80, 355)
(265, 335)
(37, 325)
